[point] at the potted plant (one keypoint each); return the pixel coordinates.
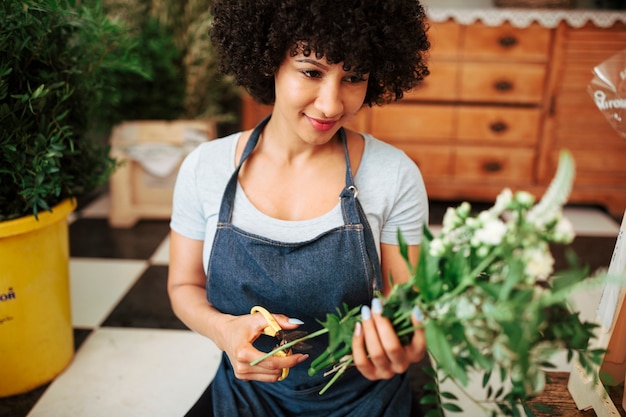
(56, 57)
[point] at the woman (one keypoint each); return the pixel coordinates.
(301, 215)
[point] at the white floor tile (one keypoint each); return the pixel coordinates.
(98, 208)
(97, 285)
(132, 372)
(587, 221)
(435, 229)
(162, 254)
(591, 222)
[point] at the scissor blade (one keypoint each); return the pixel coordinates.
(290, 336)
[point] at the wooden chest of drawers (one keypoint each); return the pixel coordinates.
(474, 125)
(575, 123)
(499, 105)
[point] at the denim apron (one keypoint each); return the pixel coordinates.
(305, 280)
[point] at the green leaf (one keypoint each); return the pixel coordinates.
(441, 350)
(429, 399)
(452, 407)
(434, 413)
(449, 396)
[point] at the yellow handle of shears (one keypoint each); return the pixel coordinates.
(272, 328)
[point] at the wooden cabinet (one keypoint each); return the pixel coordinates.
(575, 123)
(480, 113)
(499, 105)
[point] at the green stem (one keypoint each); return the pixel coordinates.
(335, 377)
(289, 345)
(409, 330)
(469, 278)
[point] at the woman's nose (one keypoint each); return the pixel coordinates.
(329, 99)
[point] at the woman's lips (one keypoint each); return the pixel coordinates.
(321, 125)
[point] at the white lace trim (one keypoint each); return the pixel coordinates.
(522, 18)
(470, 11)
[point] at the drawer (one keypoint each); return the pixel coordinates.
(506, 42)
(434, 161)
(502, 82)
(444, 39)
(499, 125)
(442, 83)
(493, 164)
(412, 122)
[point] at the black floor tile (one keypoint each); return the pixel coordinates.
(437, 209)
(94, 238)
(146, 305)
(80, 335)
(20, 405)
(595, 252)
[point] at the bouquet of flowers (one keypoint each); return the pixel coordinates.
(490, 299)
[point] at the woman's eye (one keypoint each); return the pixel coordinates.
(312, 73)
(356, 79)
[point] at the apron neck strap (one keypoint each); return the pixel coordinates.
(252, 141)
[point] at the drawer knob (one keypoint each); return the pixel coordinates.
(498, 127)
(492, 166)
(507, 41)
(503, 85)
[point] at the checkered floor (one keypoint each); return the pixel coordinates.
(134, 357)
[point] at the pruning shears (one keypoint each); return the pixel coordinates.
(273, 329)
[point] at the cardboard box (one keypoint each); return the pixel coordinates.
(151, 152)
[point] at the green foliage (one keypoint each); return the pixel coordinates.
(176, 51)
(340, 342)
(157, 96)
(55, 60)
(490, 300)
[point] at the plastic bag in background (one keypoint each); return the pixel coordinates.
(608, 89)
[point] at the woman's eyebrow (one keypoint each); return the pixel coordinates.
(312, 61)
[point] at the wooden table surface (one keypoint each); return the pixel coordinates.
(558, 398)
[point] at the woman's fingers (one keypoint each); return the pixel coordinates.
(373, 360)
(417, 348)
(377, 350)
(269, 369)
(244, 331)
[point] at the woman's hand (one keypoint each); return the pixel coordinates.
(237, 335)
(376, 349)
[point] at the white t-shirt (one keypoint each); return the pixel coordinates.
(390, 188)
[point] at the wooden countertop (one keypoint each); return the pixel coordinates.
(557, 397)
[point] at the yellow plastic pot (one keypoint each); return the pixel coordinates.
(36, 337)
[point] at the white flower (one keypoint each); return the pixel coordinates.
(464, 209)
(485, 216)
(491, 233)
(482, 251)
(539, 262)
(564, 231)
(524, 199)
(472, 223)
(465, 309)
(450, 220)
(502, 201)
(437, 248)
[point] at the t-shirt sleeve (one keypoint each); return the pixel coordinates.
(187, 215)
(409, 208)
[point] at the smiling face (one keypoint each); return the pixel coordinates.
(314, 98)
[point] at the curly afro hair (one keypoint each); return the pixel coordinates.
(385, 38)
